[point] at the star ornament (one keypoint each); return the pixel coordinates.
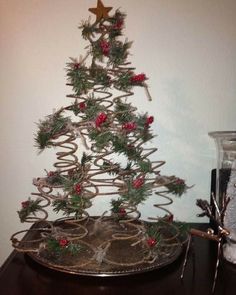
(100, 11)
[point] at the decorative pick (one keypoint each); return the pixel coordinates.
(100, 11)
(209, 235)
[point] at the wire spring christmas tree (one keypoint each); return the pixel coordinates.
(108, 127)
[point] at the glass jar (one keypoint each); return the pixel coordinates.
(224, 184)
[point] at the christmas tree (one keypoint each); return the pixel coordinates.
(114, 137)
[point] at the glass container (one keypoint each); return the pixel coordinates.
(224, 184)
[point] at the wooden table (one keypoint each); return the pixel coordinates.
(20, 275)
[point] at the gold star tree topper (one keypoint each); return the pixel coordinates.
(100, 11)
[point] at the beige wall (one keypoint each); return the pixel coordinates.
(186, 47)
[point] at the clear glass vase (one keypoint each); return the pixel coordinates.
(225, 185)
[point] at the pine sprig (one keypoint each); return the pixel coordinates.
(153, 231)
(113, 168)
(100, 76)
(75, 204)
(118, 16)
(143, 128)
(69, 182)
(88, 30)
(103, 139)
(29, 207)
(145, 166)
(49, 129)
(96, 51)
(74, 107)
(61, 247)
(123, 112)
(117, 24)
(122, 146)
(79, 78)
(177, 186)
(54, 178)
(135, 196)
(75, 176)
(122, 81)
(119, 52)
(115, 205)
(93, 108)
(60, 205)
(85, 159)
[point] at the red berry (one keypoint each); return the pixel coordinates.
(63, 242)
(149, 120)
(76, 66)
(138, 78)
(138, 182)
(78, 188)
(82, 106)
(170, 218)
(105, 47)
(122, 211)
(101, 118)
(151, 242)
(118, 25)
(25, 204)
(51, 173)
(129, 126)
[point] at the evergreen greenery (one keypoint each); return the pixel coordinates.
(49, 129)
(29, 207)
(135, 196)
(54, 247)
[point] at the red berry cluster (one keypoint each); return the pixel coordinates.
(138, 182)
(101, 118)
(151, 242)
(149, 120)
(63, 242)
(105, 47)
(129, 126)
(25, 204)
(118, 25)
(136, 79)
(82, 106)
(78, 188)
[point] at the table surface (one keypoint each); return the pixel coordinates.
(21, 275)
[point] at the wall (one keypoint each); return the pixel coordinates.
(187, 48)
